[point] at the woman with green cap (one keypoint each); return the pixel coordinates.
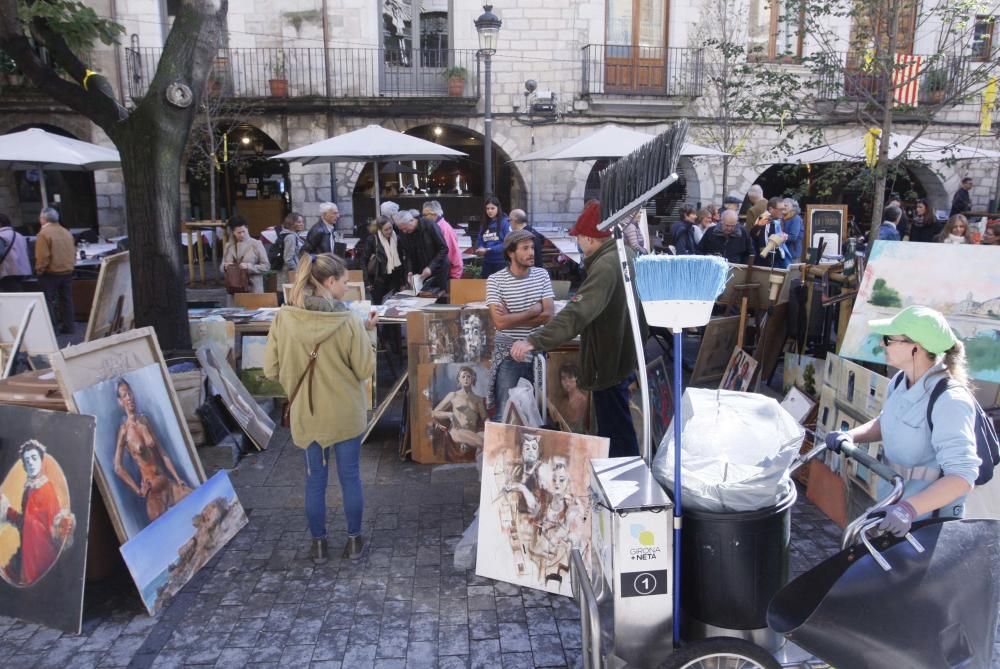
(939, 466)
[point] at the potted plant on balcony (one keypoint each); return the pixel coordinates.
(278, 83)
(935, 83)
(456, 77)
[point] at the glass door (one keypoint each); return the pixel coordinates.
(635, 53)
(415, 47)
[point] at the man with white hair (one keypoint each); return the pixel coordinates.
(320, 237)
(423, 251)
(758, 205)
(55, 258)
(433, 213)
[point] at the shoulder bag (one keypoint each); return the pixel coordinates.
(307, 372)
(237, 279)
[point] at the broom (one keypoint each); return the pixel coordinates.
(676, 292)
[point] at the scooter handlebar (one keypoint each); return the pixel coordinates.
(880, 468)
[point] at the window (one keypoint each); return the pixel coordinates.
(427, 20)
(775, 29)
(982, 38)
(870, 30)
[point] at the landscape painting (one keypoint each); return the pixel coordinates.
(165, 555)
(46, 464)
(968, 295)
(252, 368)
(534, 505)
(804, 372)
(143, 459)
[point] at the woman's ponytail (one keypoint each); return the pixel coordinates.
(312, 273)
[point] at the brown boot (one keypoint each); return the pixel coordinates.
(354, 549)
(319, 552)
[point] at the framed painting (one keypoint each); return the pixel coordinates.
(717, 344)
(798, 404)
(252, 368)
(39, 339)
(968, 299)
(451, 416)
(562, 372)
(112, 311)
(146, 459)
(534, 505)
(238, 401)
(804, 372)
(739, 372)
(216, 331)
(46, 465)
(171, 550)
(825, 222)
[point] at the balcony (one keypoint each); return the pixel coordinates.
(617, 70)
(844, 78)
(353, 73)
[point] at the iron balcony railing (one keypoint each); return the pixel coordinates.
(847, 77)
(302, 72)
(614, 69)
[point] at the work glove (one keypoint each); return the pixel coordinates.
(834, 440)
(898, 519)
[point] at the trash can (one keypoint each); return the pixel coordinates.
(732, 564)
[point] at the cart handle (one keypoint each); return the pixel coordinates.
(858, 526)
(590, 621)
(880, 468)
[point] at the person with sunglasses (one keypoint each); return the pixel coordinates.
(939, 466)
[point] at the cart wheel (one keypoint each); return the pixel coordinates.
(721, 653)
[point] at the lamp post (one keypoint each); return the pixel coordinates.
(488, 27)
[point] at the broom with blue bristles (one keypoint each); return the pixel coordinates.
(677, 292)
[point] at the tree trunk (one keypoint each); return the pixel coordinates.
(725, 176)
(887, 62)
(150, 150)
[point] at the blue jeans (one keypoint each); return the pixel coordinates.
(348, 455)
(508, 374)
(614, 420)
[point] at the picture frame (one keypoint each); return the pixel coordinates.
(573, 405)
(716, 348)
(39, 338)
(254, 422)
(112, 310)
(799, 405)
(825, 222)
(96, 366)
(740, 371)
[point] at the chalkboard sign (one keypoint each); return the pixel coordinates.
(826, 222)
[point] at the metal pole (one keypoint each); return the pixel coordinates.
(488, 123)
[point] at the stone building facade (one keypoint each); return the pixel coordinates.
(334, 54)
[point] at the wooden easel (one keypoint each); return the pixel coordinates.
(743, 292)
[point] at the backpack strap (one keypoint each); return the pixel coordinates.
(939, 388)
(307, 372)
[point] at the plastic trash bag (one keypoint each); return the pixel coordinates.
(523, 397)
(735, 451)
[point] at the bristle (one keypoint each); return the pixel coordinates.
(665, 277)
(631, 176)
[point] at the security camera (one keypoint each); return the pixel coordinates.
(530, 85)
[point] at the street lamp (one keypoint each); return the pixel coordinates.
(488, 27)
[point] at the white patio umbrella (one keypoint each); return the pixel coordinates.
(852, 150)
(611, 141)
(370, 144)
(41, 150)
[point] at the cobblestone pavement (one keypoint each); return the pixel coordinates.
(262, 603)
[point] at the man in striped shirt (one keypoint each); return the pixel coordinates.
(520, 299)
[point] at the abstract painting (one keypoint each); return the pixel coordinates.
(165, 555)
(249, 416)
(969, 298)
(534, 505)
(46, 464)
(562, 372)
(111, 311)
(739, 371)
(143, 456)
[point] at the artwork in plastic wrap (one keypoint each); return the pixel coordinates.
(534, 505)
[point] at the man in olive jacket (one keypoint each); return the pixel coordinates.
(599, 314)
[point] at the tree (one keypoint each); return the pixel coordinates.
(857, 79)
(744, 94)
(150, 138)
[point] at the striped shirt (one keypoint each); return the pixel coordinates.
(517, 295)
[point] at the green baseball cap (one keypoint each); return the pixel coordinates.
(923, 325)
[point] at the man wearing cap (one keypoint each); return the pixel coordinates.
(599, 314)
(937, 460)
(520, 299)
